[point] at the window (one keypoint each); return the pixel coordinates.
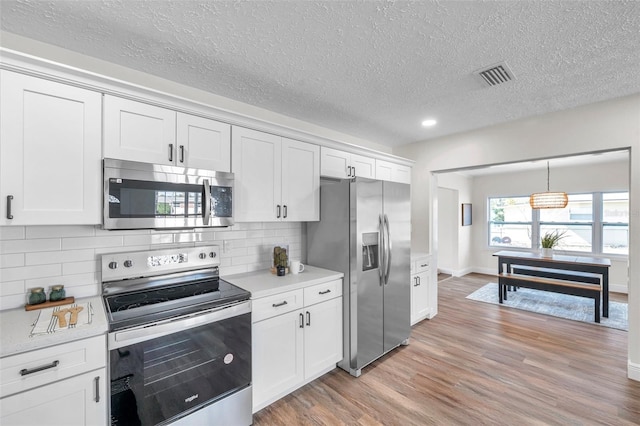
(575, 220)
(615, 223)
(510, 222)
(593, 223)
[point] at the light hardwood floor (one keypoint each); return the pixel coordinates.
(478, 364)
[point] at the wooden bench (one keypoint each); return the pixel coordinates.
(571, 284)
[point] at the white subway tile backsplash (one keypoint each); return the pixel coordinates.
(28, 272)
(12, 287)
(11, 260)
(61, 256)
(33, 232)
(92, 242)
(24, 246)
(43, 256)
(71, 268)
(12, 232)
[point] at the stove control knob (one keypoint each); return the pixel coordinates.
(113, 265)
(212, 254)
(128, 264)
(202, 255)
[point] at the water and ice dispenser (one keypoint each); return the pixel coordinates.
(369, 251)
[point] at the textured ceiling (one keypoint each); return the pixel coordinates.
(372, 69)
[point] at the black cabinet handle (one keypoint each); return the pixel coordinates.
(308, 318)
(278, 209)
(171, 152)
(285, 211)
(97, 383)
(26, 371)
(354, 171)
(9, 199)
(277, 305)
(324, 292)
(182, 153)
(301, 320)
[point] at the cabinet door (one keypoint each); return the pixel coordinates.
(256, 162)
(363, 166)
(334, 163)
(137, 131)
(80, 400)
(386, 170)
(300, 181)
(277, 357)
(50, 161)
(323, 337)
(203, 143)
(419, 296)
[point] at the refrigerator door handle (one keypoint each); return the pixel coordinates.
(381, 246)
(388, 248)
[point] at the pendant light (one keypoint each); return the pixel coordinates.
(548, 200)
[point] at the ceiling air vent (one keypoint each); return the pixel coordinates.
(495, 74)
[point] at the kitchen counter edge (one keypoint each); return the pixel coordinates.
(263, 283)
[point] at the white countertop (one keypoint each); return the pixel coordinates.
(16, 325)
(264, 283)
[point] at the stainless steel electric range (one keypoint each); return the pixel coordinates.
(179, 339)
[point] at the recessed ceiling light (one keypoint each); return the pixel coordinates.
(428, 123)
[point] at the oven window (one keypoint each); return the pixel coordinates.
(163, 378)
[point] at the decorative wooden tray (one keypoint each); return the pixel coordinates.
(49, 304)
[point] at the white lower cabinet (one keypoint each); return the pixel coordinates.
(57, 385)
(420, 280)
(291, 345)
(80, 400)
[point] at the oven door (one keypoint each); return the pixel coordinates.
(165, 371)
(148, 196)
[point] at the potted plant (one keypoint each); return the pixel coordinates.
(549, 241)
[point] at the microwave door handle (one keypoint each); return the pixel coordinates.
(206, 202)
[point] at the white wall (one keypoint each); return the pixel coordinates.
(459, 251)
(602, 126)
(605, 177)
(42, 256)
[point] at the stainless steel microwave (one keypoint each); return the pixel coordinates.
(151, 196)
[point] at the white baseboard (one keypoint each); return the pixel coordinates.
(633, 371)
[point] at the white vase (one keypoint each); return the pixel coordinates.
(547, 252)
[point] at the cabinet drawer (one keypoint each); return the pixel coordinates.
(420, 264)
(321, 292)
(267, 307)
(51, 364)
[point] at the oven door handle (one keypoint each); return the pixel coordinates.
(151, 331)
(206, 202)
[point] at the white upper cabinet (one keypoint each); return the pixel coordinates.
(137, 131)
(276, 179)
(203, 143)
(393, 172)
(342, 165)
(141, 132)
(50, 159)
(300, 181)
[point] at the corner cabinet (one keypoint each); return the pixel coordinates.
(343, 165)
(276, 179)
(296, 337)
(50, 161)
(137, 131)
(420, 280)
(67, 386)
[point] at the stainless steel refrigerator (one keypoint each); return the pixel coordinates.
(365, 231)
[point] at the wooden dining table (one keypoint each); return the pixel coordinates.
(582, 264)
